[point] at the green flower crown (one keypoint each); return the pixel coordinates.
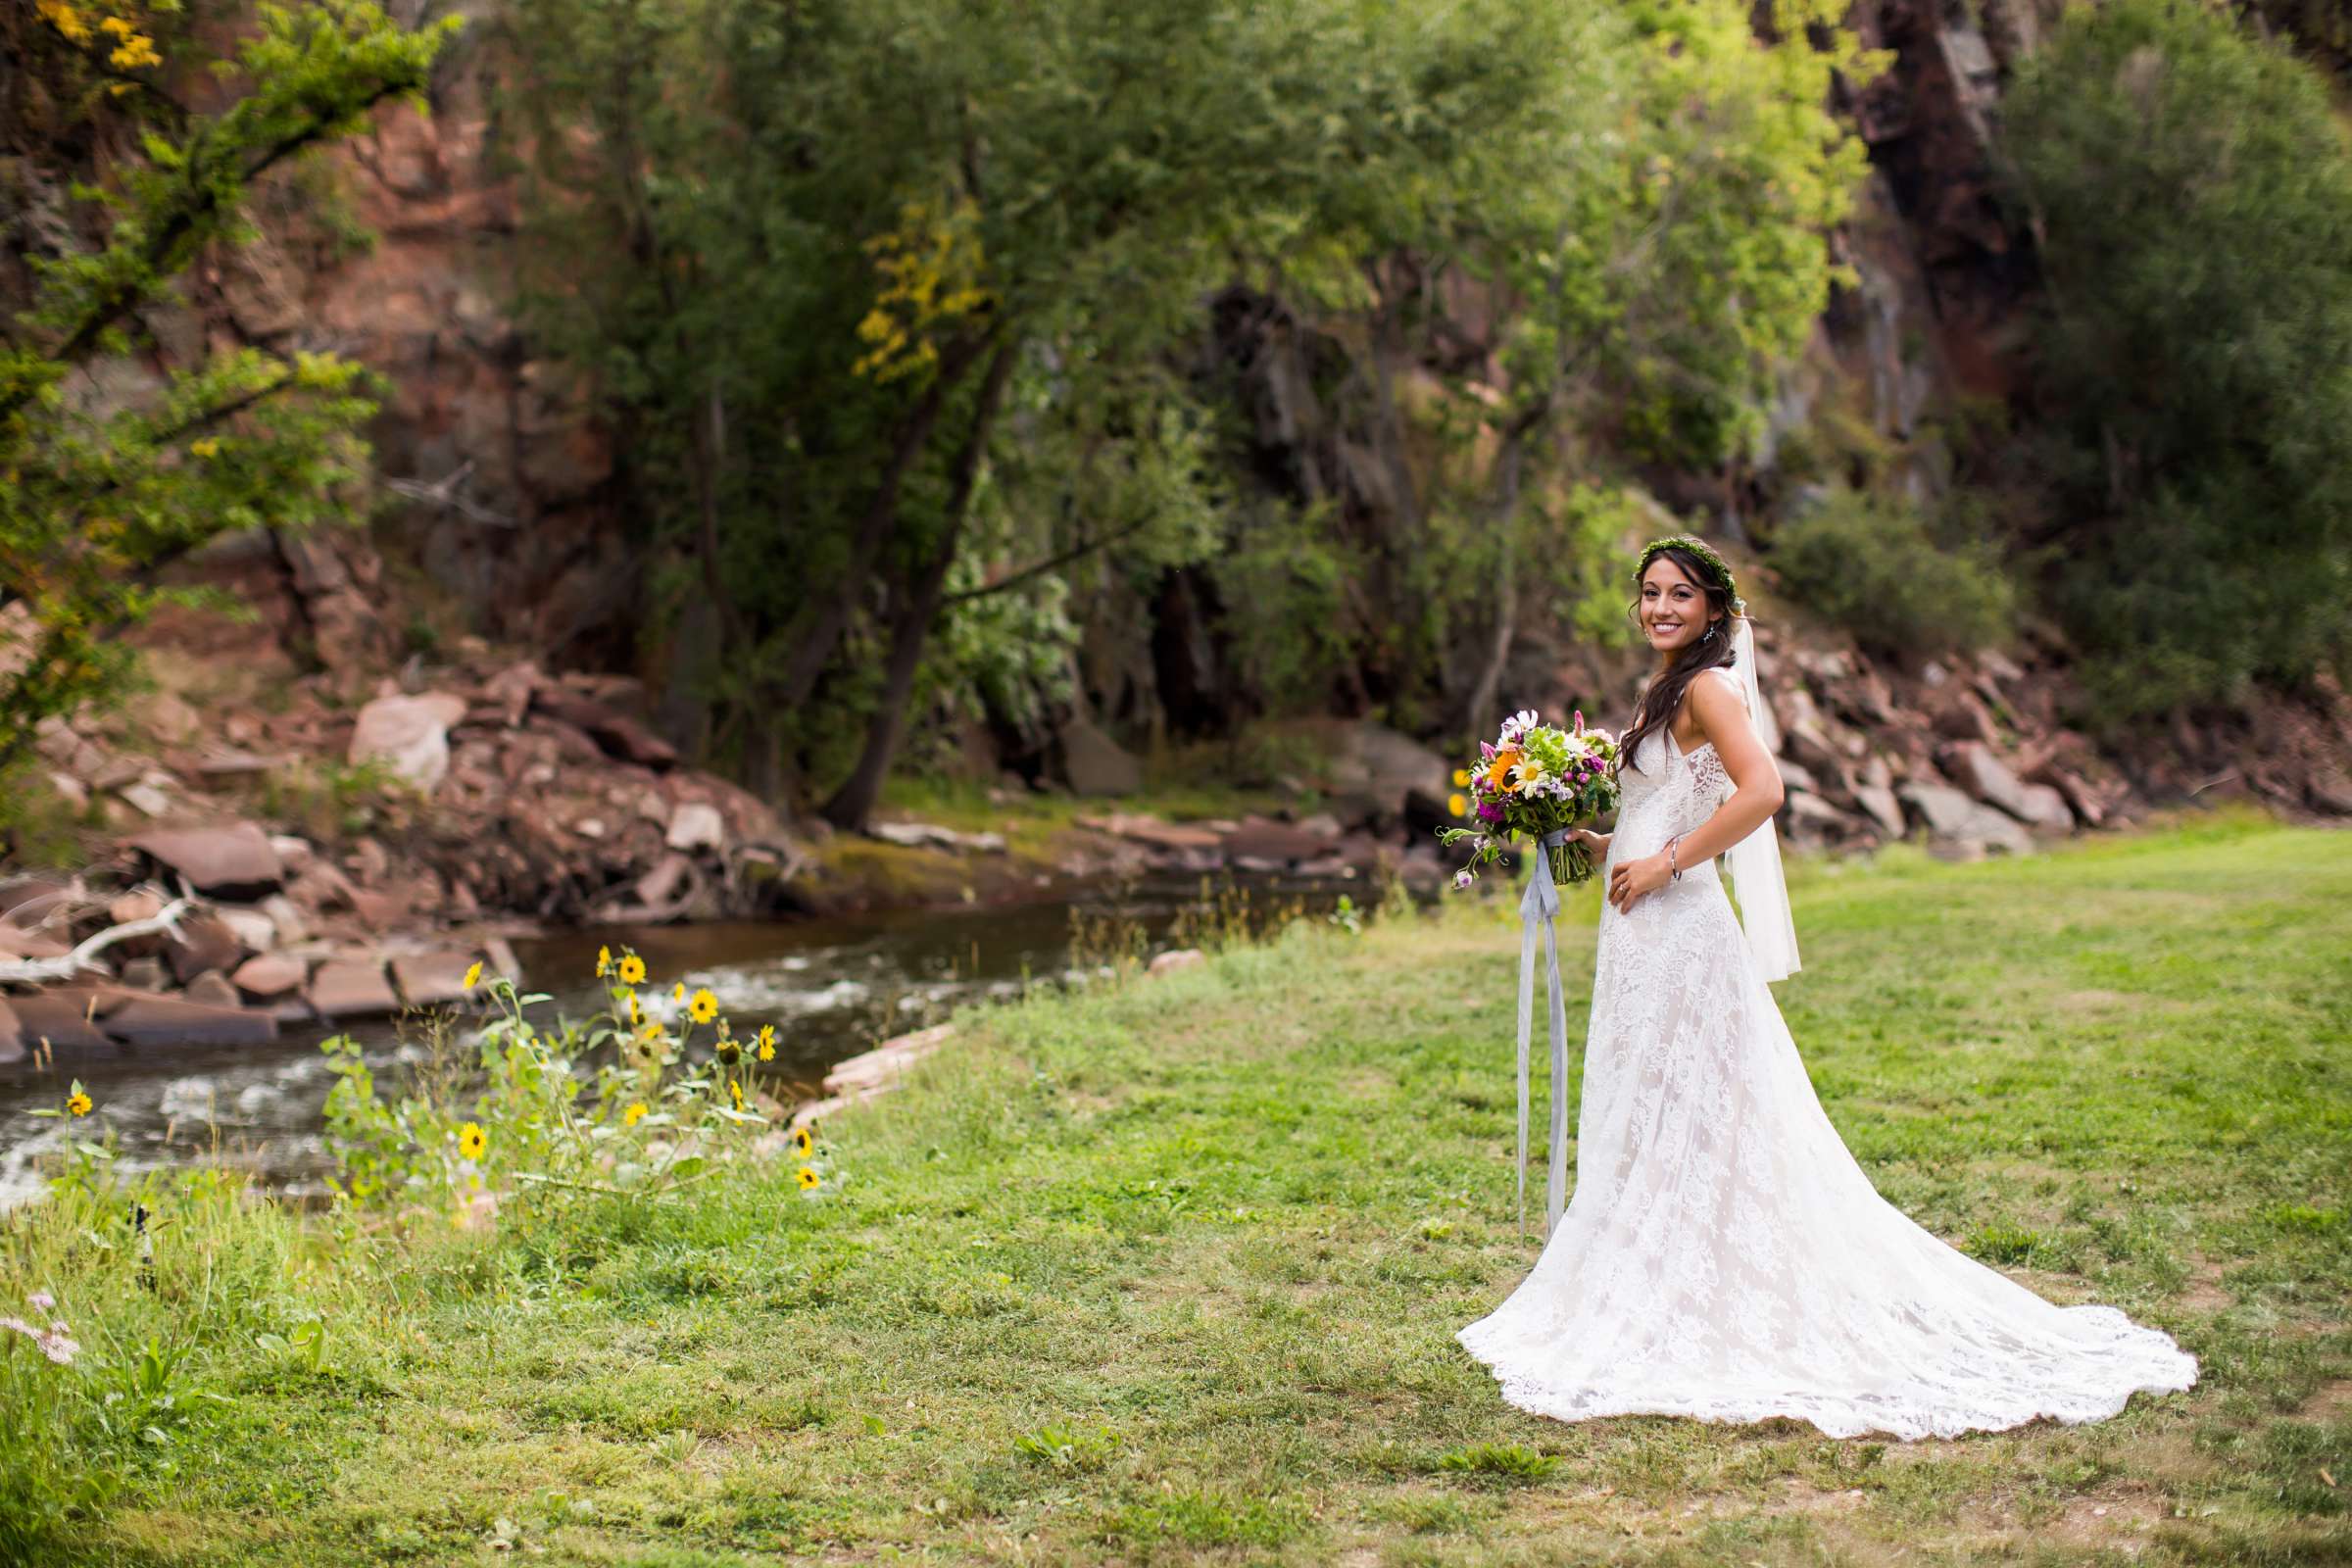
(1707, 557)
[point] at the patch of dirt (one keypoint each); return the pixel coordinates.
(2204, 1292)
(1797, 1495)
(2329, 1402)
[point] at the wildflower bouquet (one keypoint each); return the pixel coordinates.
(1536, 779)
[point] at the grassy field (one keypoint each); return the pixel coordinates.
(1169, 1272)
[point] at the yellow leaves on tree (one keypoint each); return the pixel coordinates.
(132, 49)
(931, 268)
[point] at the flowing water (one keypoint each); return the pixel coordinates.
(832, 988)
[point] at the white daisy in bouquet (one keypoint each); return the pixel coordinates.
(1534, 780)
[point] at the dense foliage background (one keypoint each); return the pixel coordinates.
(973, 371)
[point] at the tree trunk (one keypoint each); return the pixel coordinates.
(854, 803)
(816, 647)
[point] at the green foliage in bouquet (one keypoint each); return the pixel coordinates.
(1536, 781)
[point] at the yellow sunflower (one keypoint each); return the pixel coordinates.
(703, 1007)
(810, 1178)
(632, 971)
(603, 963)
(1461, 778)
(634, 1114)
(474, 976)
(801, 1142)
(1457, 803)
(471, 1141)
(677, 993)
(735, 1093)
(767, 1042)
(78, 1102)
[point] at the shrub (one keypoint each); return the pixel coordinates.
(1873, 566)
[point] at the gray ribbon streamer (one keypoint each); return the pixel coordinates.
(1536, 910)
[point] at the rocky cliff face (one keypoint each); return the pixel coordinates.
(500, 483)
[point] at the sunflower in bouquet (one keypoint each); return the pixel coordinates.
(1535, 780)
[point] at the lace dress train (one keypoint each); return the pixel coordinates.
(1722, 1256)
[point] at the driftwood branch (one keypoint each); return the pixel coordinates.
(37, 971)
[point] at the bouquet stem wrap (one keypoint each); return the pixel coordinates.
(1536, 910)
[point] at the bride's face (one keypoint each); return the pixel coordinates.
(1674, 609)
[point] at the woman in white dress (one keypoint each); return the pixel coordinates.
(1724, 1256)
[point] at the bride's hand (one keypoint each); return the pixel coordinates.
(1632, 879)
(1598, 843)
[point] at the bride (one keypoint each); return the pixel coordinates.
(1724, 1256)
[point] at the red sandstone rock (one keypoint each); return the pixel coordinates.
(173, 1022)
(346, 988)
(234, 861)
(271, 976)
(430, 978)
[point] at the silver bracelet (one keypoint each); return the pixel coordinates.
(1673, 872)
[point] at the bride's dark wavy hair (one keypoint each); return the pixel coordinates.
(1664, 696)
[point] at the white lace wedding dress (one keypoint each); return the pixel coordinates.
(1724, 1256)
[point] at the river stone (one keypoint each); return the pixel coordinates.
(696, 825)
(1178, 958)
(212, 988)
(409, 735)
(173, 1021)
(206, 943)
(1273, 843)
(19, 943)
(256, 931)
(234, 861)
(271, 976)
(59, 1018)
(350, 987)
(11, 1037)
(430, 978)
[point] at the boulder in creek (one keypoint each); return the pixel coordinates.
(176, 1021)
(1177, 958)
(234, 861)
(1272, 844)
(430, 979)
(60, 1017)
(271, 976)
(11, 1037)
(408, 735)
(350, 987)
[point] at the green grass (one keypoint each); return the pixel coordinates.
(1169, 1273)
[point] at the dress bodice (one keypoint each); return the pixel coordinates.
(1664, 790)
